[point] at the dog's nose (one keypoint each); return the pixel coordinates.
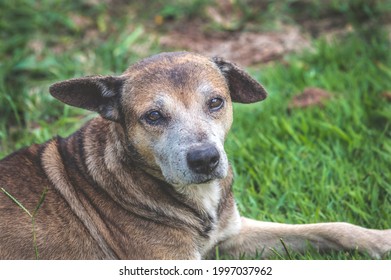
(203, 160)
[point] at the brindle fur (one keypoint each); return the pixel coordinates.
(111, 193)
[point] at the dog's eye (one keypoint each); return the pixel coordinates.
(153, 117)
(216, 104)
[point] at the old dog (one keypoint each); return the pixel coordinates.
(149, 178)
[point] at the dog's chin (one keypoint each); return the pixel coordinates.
(201, 181)
(196, 180)
(205, 181)
(189, 184)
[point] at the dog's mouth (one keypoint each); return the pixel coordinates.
(198, 179)
(193, 183)
(202, 181)
(206, 181)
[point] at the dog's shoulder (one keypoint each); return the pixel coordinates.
(16, 164)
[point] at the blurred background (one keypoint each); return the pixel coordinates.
(318, 149)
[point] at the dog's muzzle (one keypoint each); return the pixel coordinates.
(203, 160)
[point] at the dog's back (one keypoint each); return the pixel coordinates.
(55, 230)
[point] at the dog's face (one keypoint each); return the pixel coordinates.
(178, 112)
(175, 110)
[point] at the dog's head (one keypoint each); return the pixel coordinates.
(175, 110)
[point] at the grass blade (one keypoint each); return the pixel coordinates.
(17, 202)
(286, 249)
(277, 254)
(43, 195)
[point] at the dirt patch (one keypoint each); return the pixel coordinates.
(310, 97)
(387, 96)
(244, 48)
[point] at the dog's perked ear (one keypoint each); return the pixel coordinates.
(96, 93)
(242, 87)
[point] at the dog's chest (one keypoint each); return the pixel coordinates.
(207, 198)
(222, 230)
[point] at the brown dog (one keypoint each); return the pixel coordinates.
(149, 178)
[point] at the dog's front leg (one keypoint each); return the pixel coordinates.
(261, 237)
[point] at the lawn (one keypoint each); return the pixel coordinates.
(321, 163)
(325, 162)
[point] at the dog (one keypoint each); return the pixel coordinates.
(148, 178)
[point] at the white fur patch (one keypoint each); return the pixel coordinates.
(221, 233)
(233, 228)
(205, 196)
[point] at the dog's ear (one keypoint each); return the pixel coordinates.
(96, 93)
(242, 87)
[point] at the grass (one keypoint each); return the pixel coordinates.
(338, 156)
(31, 215)
(318, 164)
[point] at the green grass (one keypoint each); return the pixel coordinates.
(42, 43)
(318, 164)
(31, 215)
